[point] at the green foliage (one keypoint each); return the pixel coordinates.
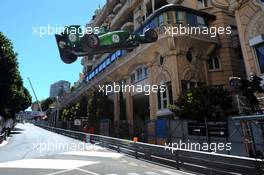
(75, 110)
(47, 103)
(71, 112)
(73, 88)
(14, 97)
(96, 107)
(201, 102)
(65, 114)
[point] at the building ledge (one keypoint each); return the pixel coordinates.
(164, 112)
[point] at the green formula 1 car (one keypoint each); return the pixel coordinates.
(73, 43)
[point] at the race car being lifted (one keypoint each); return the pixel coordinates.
(73, 43)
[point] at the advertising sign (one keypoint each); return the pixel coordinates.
(214, 128)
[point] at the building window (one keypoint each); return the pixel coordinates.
(260, 56)
(161, 22)
(140, 74)
(201, 22)
(189, 84)
(171, 17)
(214, 63)
(145, 72)
(161, 60)
(180, 17)
(132, 78)
(153, 24)
(189, 55)
(165, 97)
(202, 3)
(191, 19)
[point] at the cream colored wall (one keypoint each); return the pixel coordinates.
(176, 67)
(190, 3)
(249, 15)
(250, 19)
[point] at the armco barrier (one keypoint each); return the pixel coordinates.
(193, 161)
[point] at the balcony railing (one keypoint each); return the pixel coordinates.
(123, 12)
(117, 7)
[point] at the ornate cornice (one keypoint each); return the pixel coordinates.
(231, 5)
(175, 1)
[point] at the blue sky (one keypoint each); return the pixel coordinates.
(38, 57)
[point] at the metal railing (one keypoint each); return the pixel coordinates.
(193, 161)
(3, 137)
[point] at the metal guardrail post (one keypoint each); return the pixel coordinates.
(136, 150)
(3, 137)
(118, 148)
(260, 167)
(176, 158)
(147, 154)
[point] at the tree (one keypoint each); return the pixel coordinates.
(65, 114)
(75, 111)
(92, 108)
(202, 102)
(14, 97)
(47, 103)
(71, 112)
(96, 107)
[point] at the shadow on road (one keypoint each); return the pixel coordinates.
(18, 129)
(15, 132)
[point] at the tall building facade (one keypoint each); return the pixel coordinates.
(249, 17)
(177, 62)
(59, 88)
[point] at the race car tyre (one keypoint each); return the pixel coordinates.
(90, 41)
(151, 35)
(68, 58)
(62, 44)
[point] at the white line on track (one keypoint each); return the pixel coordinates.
(56, 164)
(89, 172)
